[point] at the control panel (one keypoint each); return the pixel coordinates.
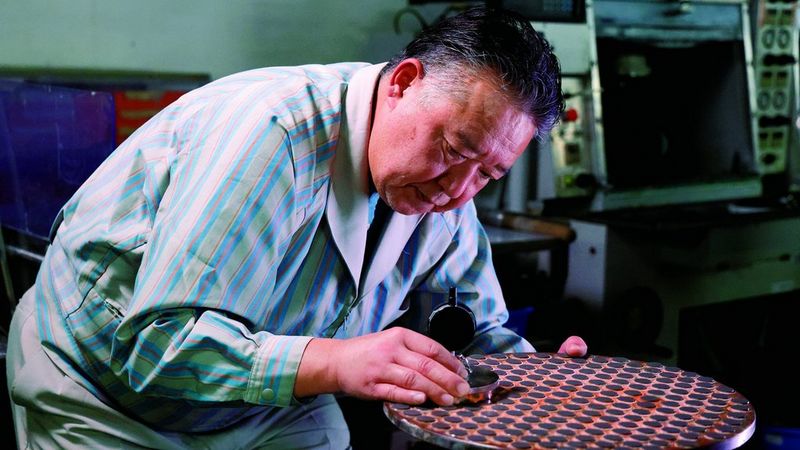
(775, 65)
(571, 141)
(569, 162)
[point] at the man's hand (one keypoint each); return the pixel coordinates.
(574, 346)
(397, 365)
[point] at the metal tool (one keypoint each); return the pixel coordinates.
(453, 325)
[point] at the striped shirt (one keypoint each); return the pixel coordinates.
(193, 267)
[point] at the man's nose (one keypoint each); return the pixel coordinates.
(458, 178)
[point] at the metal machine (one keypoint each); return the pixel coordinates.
(673, 162)
(561, 166)
(661, 111)
(676, 83)
(776, 87)
(569, 161)
(673, 166)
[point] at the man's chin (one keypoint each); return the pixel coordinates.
(408, 209)
(410, 205)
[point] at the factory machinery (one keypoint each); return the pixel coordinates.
(676, 162)
(677, 167)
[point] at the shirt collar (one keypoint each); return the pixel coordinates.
(347, 209)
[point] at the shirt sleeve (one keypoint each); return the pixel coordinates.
(467, 264)
(210, 266)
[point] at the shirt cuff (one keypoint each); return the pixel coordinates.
(275, 370)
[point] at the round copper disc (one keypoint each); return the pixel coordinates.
(547, 400)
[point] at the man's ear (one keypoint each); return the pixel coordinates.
(404, 75)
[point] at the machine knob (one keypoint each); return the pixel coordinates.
(570, 115)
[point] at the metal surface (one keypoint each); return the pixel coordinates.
(505, 239)
(549, 401)
(483, 382)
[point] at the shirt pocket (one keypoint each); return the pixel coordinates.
(93, 325)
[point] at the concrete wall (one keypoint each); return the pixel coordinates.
(217, 37)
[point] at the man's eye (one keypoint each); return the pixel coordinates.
(484, 175)
(454, 154)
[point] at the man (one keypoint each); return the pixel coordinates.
(235, 261)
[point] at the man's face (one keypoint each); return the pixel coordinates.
(435, 154)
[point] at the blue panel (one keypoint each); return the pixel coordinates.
(518, 320)
(51, 140)
(708, 15)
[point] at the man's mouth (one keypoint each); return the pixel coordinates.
(439, 199)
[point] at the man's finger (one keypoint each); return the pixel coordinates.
(406, 378)
(574, 346)
(394, 393)
(428, 347)
(434, 371)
